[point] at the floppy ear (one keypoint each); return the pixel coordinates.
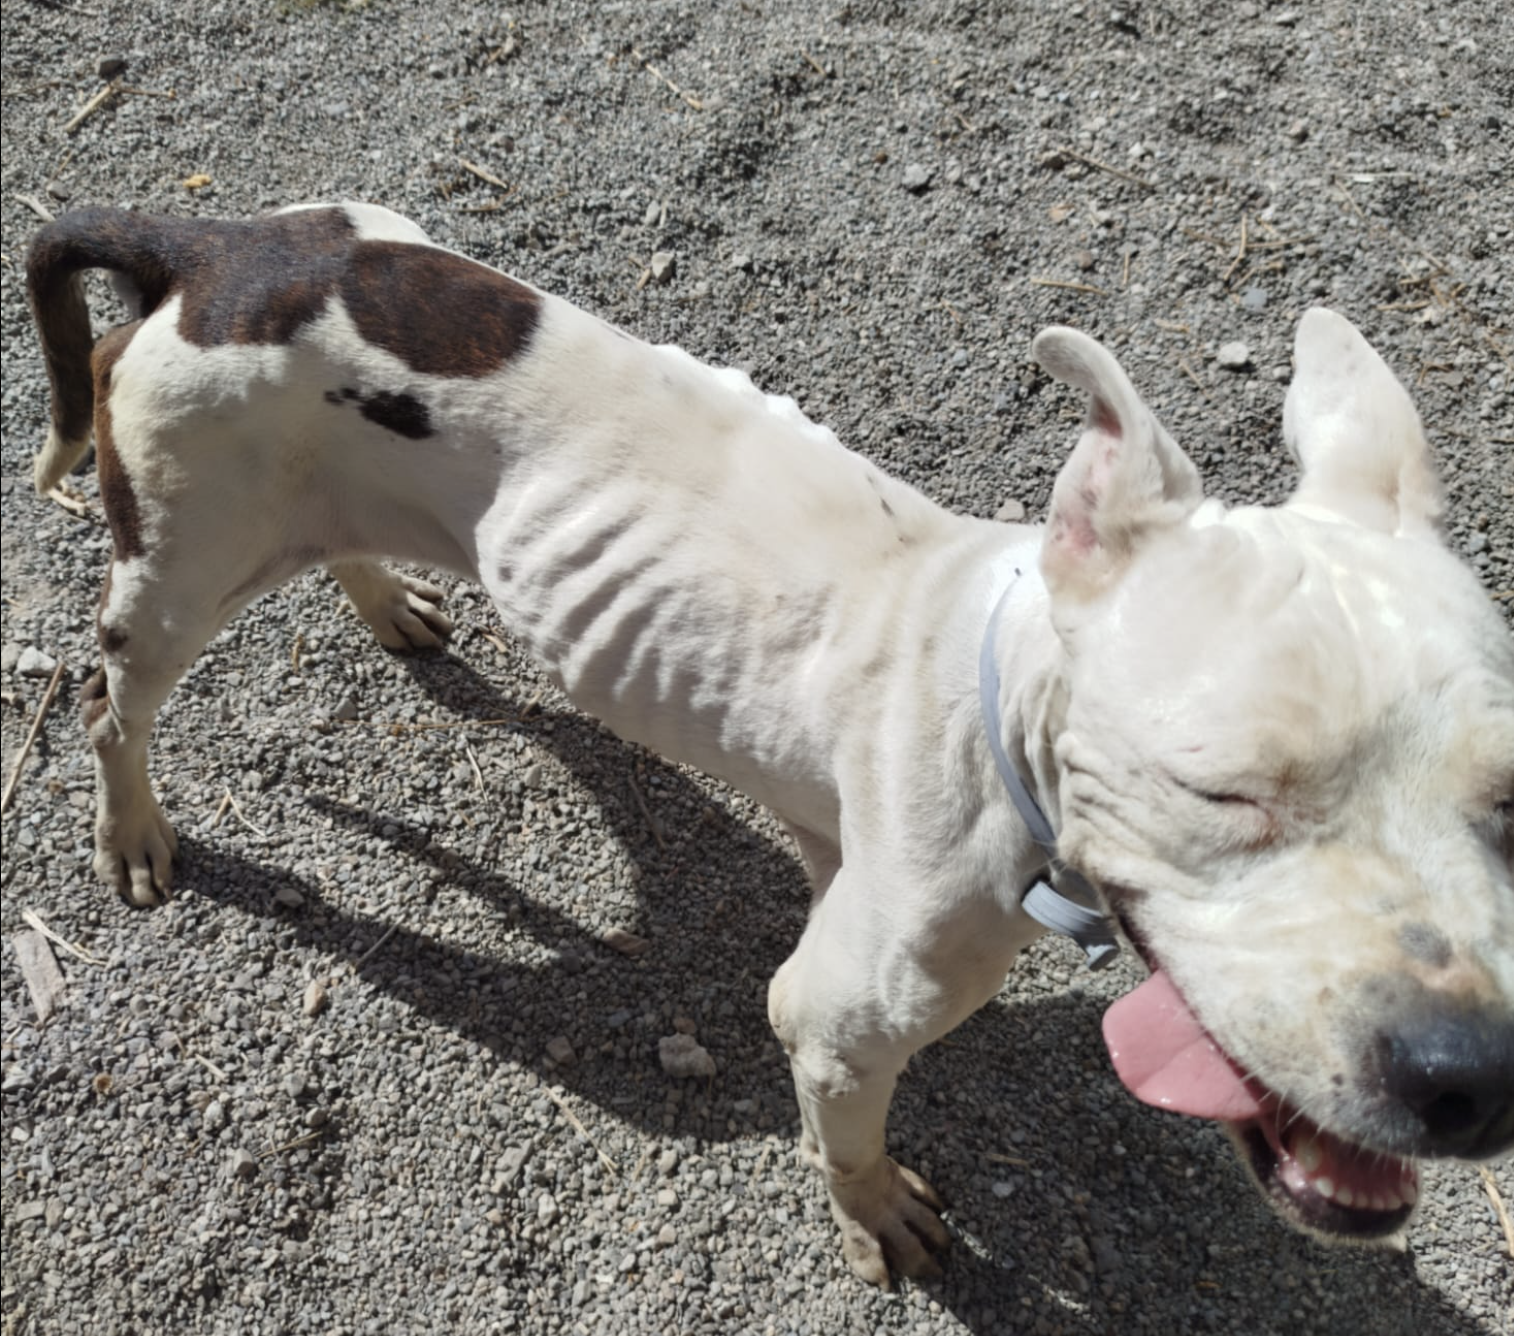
(1353, 430)
(1125, 478)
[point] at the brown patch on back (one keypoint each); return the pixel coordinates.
(116, 491)
(438, 313)
(260, 281)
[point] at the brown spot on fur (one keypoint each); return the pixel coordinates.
(399, 412)
(260, 281)
(112, 641)
(438, 313)
(116, 491)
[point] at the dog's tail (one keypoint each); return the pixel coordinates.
(133, 246)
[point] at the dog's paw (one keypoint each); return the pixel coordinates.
(409, 617)
(134, 854)
(890, 1224)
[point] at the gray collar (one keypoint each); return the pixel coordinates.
(1048, 902)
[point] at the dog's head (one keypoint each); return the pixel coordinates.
(1288, 761)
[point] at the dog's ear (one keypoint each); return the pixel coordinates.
(1354, 431)
(1126, 476)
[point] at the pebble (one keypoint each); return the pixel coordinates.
(917, 178)
(627, 943)
(32, 662)
(242, 1164)
(1011, 512)
(681, 1055)
(664, 265)
(561, 1051)
(1254, 300)
(313, 1002)
(1233, 356)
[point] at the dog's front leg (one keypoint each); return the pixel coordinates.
(863, 991)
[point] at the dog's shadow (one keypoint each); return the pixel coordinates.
(1040, 1236)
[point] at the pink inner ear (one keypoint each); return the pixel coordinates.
(1103, 419)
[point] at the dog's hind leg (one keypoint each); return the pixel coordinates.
(403, 612)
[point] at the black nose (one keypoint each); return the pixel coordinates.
(1452, 1067)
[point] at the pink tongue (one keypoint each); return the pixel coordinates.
(1166, 1059)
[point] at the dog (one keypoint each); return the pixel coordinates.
(1275, 747)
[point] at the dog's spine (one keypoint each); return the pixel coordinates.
(129, 244)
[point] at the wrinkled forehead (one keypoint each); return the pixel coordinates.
(1316, 623)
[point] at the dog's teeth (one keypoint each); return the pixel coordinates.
(1307, 1153)
(1324, 1187)
(1409, 1191)
(1345, 1196)
(1385, 1201)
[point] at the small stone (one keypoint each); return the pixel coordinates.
(294, 1084)
(289, 897)
(110, 67)
(684, 1024)
(667, 1197)
(243, 1164)
(653, 214)
(681, 1056)
(742, 262)
(1233, 356)
(561, 1051)
(54, 1213)
(1254, 300)
(667, 1163)
(1083, 259)
(346, 710)
(1011, 512)
(30, 1210)
(317, 1119)
(667, 1236)
(1298, 131)
(664, 265)
(34, 663)
(10, 656)
(546, 1208)
(214, 1116)
(917, 178)
(314, 1001)
(627, 943)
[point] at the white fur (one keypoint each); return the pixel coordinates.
(715, 576)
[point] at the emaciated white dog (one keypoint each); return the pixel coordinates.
(1279, 742)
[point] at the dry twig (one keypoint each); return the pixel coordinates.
(374, 949)
(31, 737)
(236, 811)
(482, 174)
(657, 73)
(653, 824)
(36, 206)
(1490, 1186)
(1105, 167)
(34, 919)
(105, 95)
(1193, 376)
(1070, 287)
(582, 1131)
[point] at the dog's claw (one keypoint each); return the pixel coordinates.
(890, 1225)
(139, 868)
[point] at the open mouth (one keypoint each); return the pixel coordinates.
(1316, 1178)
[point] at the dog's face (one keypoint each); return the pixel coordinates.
(1288, 759)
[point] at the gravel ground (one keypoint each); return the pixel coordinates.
(871, 206)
